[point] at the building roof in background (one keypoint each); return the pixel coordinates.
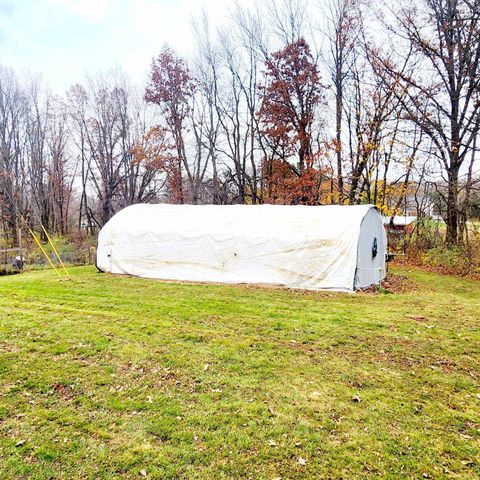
(400, 220)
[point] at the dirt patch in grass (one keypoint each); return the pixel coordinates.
(64, 391)
(161, 378)
(391, 284)
(418, 318)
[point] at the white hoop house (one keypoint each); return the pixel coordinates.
(315, 248)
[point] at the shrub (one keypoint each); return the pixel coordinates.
(455, 258)
(426, 247)
(75, 251)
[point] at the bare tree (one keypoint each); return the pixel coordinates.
(38, 161)
(13, 111)
(207, 69)
(342, 32)
(61, 170)
(443, 84)
(375, 121)
(77, 105)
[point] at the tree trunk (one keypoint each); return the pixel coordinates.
(338, 128)
(452, 207)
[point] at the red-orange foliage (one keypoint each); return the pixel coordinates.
(156, 153)
(289, 99)
(171, 88)
(284, 186)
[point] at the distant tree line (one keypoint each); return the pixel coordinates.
(366, 104)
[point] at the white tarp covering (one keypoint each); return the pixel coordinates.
(315, 248)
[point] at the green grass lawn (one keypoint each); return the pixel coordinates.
(116, 377)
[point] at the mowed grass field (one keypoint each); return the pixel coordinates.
(107, 377)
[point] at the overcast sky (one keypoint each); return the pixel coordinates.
(64, 39)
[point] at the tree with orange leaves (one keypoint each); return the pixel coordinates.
(171, 88)
(289, 99)
(154, 154)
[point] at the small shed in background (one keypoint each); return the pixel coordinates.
(397, 228)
